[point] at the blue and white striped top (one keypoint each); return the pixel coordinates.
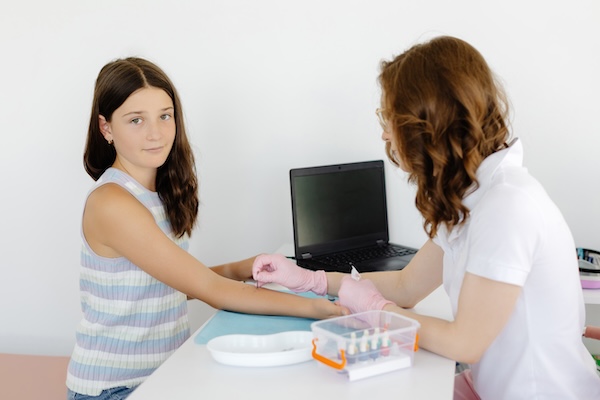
(131, 321)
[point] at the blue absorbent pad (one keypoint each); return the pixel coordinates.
(229, 323)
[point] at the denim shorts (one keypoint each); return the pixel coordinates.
(118, 393)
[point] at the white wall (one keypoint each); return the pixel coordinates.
(266, 86)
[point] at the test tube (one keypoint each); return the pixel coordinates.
(375, 344)
(352, 349)
(385, 344)
(363, 347)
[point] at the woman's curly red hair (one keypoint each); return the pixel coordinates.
(446, 113)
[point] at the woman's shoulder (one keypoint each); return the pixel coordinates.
(516, 188)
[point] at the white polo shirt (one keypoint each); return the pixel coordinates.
(516, 234)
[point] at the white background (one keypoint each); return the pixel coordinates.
(266, 86)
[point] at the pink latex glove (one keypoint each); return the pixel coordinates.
(275, 268)
(360, 295)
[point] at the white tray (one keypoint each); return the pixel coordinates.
(262, 350)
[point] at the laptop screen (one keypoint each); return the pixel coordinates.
(338, 207)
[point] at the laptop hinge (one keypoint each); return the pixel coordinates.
(381, 242)
(305, 256)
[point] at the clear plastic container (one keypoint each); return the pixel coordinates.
(366, 344)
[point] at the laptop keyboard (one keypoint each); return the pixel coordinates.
(363, 254)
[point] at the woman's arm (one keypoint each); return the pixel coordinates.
(115, 224)
(405, 287)
(484, 307)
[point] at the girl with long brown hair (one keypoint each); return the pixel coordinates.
(136, 273)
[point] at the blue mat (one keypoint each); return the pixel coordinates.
(228, 323)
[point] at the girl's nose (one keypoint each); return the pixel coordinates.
(154, 131)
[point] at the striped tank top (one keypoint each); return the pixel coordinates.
(131, 321)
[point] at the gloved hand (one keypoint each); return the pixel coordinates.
(360, 295)
(275, 268)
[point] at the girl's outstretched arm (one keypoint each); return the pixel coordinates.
(238, 270)
(116, 224)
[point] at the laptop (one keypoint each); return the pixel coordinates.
(340, 219)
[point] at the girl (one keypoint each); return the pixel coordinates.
(498, 244)
(135, 270)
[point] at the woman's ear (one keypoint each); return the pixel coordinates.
(105, 128)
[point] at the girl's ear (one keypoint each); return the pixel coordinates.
(105, 128)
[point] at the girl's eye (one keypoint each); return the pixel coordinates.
(165, 117)
(136, 121)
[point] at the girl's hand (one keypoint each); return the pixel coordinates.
(327, 309)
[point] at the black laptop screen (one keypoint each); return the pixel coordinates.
(339, 203)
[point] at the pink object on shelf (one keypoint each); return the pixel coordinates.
(590, 284)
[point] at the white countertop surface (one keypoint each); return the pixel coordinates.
(192, 373)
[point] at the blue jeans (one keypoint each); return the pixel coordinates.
(118, 393)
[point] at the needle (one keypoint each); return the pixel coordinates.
(354, 273)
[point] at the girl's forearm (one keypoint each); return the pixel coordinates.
(238, 270)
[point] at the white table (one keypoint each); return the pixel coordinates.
(191, 373)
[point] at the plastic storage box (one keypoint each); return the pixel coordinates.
(365, 344)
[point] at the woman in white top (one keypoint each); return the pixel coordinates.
(498, 243)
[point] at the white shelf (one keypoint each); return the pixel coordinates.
(591, 296)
